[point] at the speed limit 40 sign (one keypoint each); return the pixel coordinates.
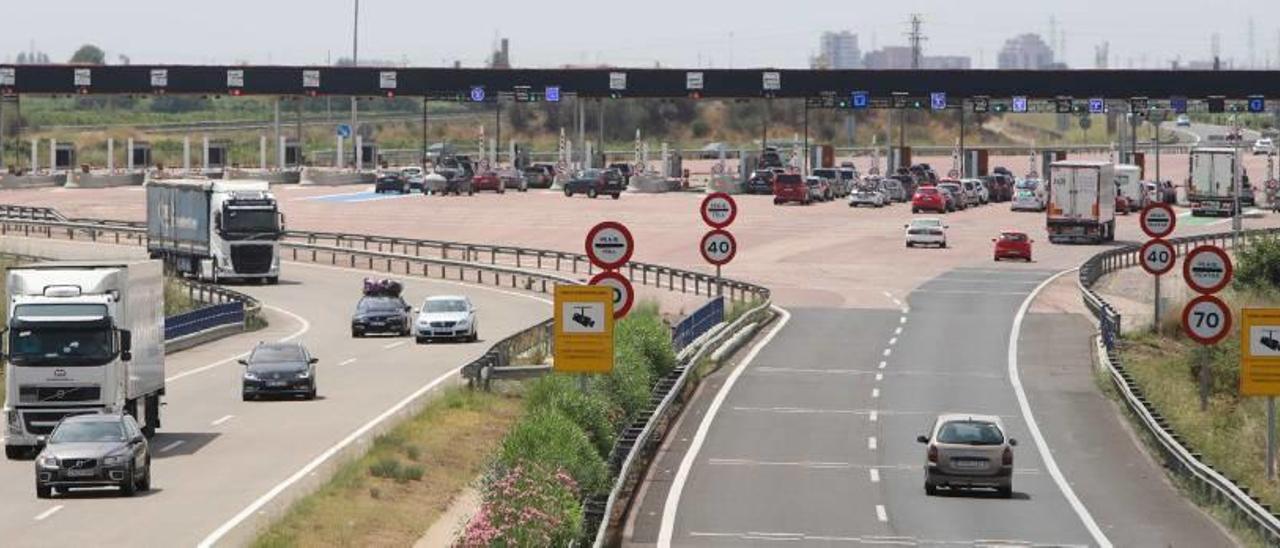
(1157, 256)
(1206, 319)
(718, 247)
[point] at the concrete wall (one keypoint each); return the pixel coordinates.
(32, 181)
(321, 177)
(104, 180)
(274, 177)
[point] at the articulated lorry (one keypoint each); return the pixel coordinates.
(1082, 202)
(1210, 187)
(82, 337)
(215, 229)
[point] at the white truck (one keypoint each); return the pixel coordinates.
(1210, 187)
(215, 229)
(1129, 185)
(1082, 202)
(82, 337)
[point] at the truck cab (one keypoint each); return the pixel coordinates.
(82, 337)
(216, 230)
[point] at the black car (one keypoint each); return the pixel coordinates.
(285, 369)
(94, 450)
(540, 175)
(761, 182)
(381, 314)
(391, 181)
(594, 182)
(625, 170)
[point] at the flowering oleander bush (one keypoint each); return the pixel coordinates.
(527, 506)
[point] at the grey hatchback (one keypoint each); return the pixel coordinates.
(285, 369)
(94, 451)
(968, 451)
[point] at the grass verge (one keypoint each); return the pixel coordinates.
(392, 494)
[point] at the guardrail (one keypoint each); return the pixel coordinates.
(500, 360)
(1178, 456)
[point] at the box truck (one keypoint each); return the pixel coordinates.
(82, 337)
(1210, 187)
(1129, 185)
(1082, 202)
(215, 229)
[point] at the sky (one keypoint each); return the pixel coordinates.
(675, 33)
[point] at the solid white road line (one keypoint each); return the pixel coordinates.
(48, 512)
(172, 446)
(875, 475)
(306, 326)
(1041, 446)
(881, 514)
(671, 506)
(222, 420)
(871, 443)
(347, 361)
(394, 345)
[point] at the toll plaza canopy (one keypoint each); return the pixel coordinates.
(876, 87)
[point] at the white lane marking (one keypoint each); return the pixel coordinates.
(902, 320)
(879, 377)
(893, 341)
(898, 330)
(172, 446)
(874, 416)
(394, 345)
(897, 302)
(875, 392)
(1041, 446)
(347, 361)
(306, 326)
(887, 294)
(871, 443)
(48, 512)
(222, 420)
(883, 363)
(261, 501)
(887, 351)
(881, 514)
(906, 310)
(672, 504)
(875, 475)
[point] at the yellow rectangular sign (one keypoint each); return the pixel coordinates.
(1260, 352)
(583, 329)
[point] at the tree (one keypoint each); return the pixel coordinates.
(89, 54)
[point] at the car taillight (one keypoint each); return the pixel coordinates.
(1007, 458)
(933, 454)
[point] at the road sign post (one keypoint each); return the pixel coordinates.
(1157, 221)
(583, 329)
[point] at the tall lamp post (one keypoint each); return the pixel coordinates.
(355, 61)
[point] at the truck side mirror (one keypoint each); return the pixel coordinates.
(217, 220)
(126, 345)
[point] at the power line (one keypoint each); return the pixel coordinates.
(916, 38)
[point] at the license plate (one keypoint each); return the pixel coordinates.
(968, 464)
(377, 324)
(278, 383)
(79, 473)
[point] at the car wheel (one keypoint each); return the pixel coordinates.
(15, 452)
(997, 258)
(616, 195)
(356, 334)
(915, 210)
(502, 191)
(420, 340)
(930, 489)
(909, 244)
(43, 491)
(312, 394)
(247, 397)
(273, 280)
(1005, 492)
(943, 245)
(129, 485)
(469, 193)
(591, 193)
(568, 192)
(145, 484)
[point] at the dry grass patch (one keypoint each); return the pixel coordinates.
(396, 491)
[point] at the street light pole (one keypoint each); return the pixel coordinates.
(355, 61)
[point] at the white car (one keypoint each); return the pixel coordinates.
(984, 195)
(1264, 146)
(1026, 200)
(446, 317)
(867, 196)
(1183, 120)
(926, 231)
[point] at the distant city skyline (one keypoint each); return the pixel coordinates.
(1145, 33)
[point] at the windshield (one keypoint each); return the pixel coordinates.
(446, 305)
(1013, 237)
(62, 345)
(88, 432)
(250, 220)
(1030, 184)
(926, 223)
(264, 354)
(970, 433)
(379, 304)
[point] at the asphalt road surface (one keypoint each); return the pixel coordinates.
(216, 455)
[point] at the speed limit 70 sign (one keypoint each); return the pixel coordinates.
(1206, 319)
(718, 247)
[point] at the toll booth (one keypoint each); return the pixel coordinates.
(218, 155)
(899, 157)
(1048, 157)
(675, 166)
(64, 157)
(976, 162)
(368, 154)
(821, 156)
(1137, 159)
(140, 155)
(292, 154)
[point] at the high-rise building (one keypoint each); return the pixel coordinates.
(838, 50)
(1026, 52)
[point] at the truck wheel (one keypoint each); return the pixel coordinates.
(15, 452)
(152, 419)
(616, 195)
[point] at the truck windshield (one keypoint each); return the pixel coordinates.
(250, 220)
(62, 345)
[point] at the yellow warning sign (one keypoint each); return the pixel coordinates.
(1260, 352)
(583, 329)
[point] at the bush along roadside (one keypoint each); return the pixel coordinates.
(554, 457)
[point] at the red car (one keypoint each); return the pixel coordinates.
(1122, 205)
(928, 198)
(1013, 245)
(488, 180)
(790, 187)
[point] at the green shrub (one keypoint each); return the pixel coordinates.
(644, 331)
(1258, 263)
(546, 437)
(386, 467)
(413, 472)
(628, 386)
(590, 410)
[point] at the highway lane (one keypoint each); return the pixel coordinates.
(216, 455)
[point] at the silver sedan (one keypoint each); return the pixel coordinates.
(968, 451)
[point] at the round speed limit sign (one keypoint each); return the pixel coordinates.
(1158, 256)
(718, 247)
(1206, 319)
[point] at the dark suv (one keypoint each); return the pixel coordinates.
(279, 369)
(391, 181)
(761, 182)
(94, 451)
(381, 314)
(594, 182)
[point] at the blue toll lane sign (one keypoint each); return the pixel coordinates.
(938, 100)
(1257, 104)
(1019, 104)
(343, 130)
(477, 94)
(1097, 106)
(553, 94)
(861, 99)
(1178, 104)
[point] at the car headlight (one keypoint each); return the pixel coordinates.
(115, 459)
(250, 376)
(48, 461)
(305, 374)
(464, 322)
(15, 422)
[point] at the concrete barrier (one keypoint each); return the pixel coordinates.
(727, 184)
(105, 180)
(32, 181)
(275, 177)
(318, 177)
(647, 183)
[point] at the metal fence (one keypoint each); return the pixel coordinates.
(1178, 455)
(694, 325)
(502, 359)
(204, 318)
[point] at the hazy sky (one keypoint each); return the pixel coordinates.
(684, 33)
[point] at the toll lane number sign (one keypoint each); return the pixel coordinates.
(1206, 319)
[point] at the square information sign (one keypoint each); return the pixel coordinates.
(583, 329)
